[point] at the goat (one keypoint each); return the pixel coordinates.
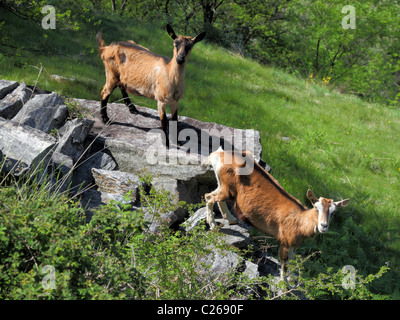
(137, 70)
(260, 200)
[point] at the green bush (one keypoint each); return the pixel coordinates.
(114, 256)
(48, 250)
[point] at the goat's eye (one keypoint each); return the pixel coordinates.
(177, 44)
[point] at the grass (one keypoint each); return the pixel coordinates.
(339, 145)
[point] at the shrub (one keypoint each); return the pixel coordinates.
(48, 250)
(113, 256)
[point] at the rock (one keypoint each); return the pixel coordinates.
(190, 191)
(194, 220)
(221, 261)
(26, 149)
(14, 101)
(82, 175)
(6, 87)
(267, 264)
(251, 270)
(68, 151)
(44, 112)
(156, 221)
(178, 164)
(179, 169)
(73, 135)
(108, 197)
(61, 78)
(236, 235)
(61, 175)
(117, 182)
(90, 199)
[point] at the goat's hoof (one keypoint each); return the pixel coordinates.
(105, 119)
(233, 222)
(133, 110)
(213, 226)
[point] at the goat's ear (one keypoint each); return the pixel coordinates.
(199, 37)
(311, 196)
(171, 32)
(342, 203)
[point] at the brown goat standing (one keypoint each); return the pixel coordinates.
(260, 200)
(137, 70)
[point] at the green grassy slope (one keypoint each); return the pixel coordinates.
(339, 146)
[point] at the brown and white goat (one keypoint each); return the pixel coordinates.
(137, 70)
(260, 200)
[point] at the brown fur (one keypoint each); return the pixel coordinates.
(135, 69)
(260, 200)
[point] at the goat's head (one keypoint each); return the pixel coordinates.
(325, 208)
(183, 45)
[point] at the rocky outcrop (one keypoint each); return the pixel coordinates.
(100, 163)
(14, 100)
(24, 149)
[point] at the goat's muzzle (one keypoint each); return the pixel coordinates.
(180, 59)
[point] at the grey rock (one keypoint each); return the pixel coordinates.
(12, 103)
(108, 197)
(251, 270)
(61, 175)
(90, 199)
(72, 137)
(221, 261)
(135, 142)
(44, 112)
(116, 182)
(236, 235)
(6, 87)
(25, 149)
(190, 191)
(267, 264)
(82, 174)
(194, 220)
(155, 220)
(61, 78)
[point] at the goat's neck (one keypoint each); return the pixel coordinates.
(308, 220)
(176, 72)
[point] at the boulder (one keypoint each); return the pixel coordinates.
(25, 149)
(6, 87)
(236, 235)
(44, 112)
(136, 143)
(82, 175)
(61, 174)
(221, 261)
(12, 103)
(72, 137)
(117, 182)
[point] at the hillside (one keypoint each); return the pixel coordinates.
(312, 136)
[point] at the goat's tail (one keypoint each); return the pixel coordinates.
(99, 39)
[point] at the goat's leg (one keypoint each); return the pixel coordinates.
(111, 83)
(174, 110)
(173, 131)
(127, 101)
(210, 215)
(226, 214)
(217, 195)
(163, 120)
(105, 94)
(283, 253)
(103, 110)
